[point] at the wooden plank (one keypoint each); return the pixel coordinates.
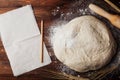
(35, 3)
(42, 10)
(39, 12)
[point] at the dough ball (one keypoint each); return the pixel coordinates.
(84, 44)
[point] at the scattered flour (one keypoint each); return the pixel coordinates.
(83, 44)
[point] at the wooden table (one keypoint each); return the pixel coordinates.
(43, 9)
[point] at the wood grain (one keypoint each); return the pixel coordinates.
(42, 10)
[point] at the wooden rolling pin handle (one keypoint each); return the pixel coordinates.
(114, 19)
(100, 11)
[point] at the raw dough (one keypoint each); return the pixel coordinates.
(84, 44)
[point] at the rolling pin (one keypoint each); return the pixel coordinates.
(114, 19)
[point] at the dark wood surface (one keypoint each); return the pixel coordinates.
(43, 9)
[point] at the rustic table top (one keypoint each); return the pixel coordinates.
(43, 9)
